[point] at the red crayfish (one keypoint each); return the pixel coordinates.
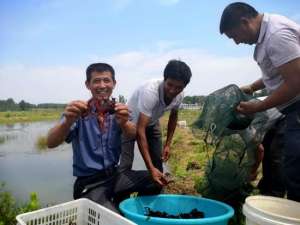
(100, 108)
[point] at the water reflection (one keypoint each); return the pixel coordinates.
(24, 168)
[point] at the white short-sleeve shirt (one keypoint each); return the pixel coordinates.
(149, 100)
(278, 43)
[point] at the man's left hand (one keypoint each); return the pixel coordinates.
(248, 107)
(122, 113)
(166, 153)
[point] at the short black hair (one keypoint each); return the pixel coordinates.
(232, 14)
(99, 67)
(178, 70)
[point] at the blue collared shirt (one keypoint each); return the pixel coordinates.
(94, 149)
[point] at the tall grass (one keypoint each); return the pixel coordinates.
(29, 116)
(41, 142)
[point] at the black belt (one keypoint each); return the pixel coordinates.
(93, 181)
(291, 108)
(99, 175)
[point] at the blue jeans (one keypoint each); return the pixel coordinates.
(291, 153)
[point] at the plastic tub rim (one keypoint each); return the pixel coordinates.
(266, 213)
(227, 215)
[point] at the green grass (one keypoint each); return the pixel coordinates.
(2, 140)
(41, 143)
(29, 116)
(9, 208)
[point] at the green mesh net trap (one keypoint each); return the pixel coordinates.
(234, 139)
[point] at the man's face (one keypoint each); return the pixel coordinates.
(172, 88)
(242, 34)
(101, 85)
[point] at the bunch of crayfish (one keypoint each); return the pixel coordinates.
(100, 108)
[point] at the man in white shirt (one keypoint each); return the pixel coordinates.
(147, 104)
(277, 53)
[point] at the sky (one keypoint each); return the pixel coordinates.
(46, 45)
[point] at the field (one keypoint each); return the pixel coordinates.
(11, 117)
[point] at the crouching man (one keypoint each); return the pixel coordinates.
(94, 128)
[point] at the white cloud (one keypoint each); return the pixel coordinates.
(39, 85)
(66, 83)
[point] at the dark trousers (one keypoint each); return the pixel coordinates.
(272, 181)
(291, 155)
(109, 191)
(281, 163)
(154, 138)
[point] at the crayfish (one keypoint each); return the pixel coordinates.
(100, 108)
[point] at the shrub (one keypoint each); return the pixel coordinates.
(9, 209)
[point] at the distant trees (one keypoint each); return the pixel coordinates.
(11, 105)
(8, 105)
(196, 99)
(51, 106)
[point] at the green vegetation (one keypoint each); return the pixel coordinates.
(11, 105)
(2, 140)
(194, 99)
(11, 117)
(41, 142)
(9, 209)
(189, 157)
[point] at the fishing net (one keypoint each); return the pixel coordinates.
(234, 139)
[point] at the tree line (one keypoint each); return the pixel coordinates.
(11, 105)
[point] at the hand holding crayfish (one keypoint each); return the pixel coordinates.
(74, 110)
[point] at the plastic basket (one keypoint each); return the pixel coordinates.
(77, 212)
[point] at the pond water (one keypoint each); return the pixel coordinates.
(25, 169)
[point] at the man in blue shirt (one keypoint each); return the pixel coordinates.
(94, 128)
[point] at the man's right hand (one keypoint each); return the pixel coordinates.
(74, 110)
(158, 177)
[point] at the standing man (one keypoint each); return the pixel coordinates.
(147, 104)
(277, 53)
(94, 128)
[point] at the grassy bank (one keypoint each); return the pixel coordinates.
(188, 155)
(11, 117)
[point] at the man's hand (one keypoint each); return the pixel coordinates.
(122, 113)
(158, 177)
(166, 153)
(258, 159)
(74, 110)
(249, 107)
(247, 89)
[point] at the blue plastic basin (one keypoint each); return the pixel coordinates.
(215, 212)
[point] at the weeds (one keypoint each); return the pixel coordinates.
(9, 208)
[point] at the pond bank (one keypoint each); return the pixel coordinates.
(11, 117)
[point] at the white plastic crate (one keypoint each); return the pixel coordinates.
(77, 212)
